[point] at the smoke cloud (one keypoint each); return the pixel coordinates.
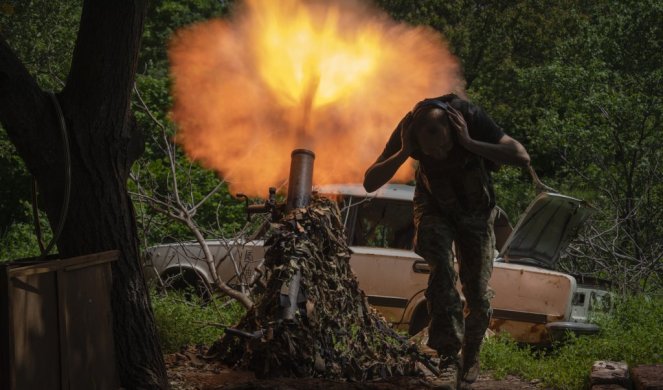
(333, 77)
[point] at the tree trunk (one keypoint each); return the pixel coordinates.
(104, 142)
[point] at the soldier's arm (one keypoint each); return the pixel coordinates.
(383, 169)
(506, 151)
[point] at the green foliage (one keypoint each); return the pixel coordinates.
(221, 215)
(602, 122)
(12, 170)
(19, 240)
(42, 34)
(514, 190)
(184, 320)
(164, 18)
(632, 333)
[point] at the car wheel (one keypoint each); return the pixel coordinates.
(419, 320)
(187, 281)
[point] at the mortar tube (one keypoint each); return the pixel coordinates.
(300, 185)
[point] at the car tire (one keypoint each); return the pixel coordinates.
(187, 281)
(419, 320)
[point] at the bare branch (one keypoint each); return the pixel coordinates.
(172, 206)
(206, 197)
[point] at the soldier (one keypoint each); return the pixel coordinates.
(457, 145)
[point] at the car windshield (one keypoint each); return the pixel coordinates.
(382, 223)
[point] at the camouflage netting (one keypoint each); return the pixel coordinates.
(335, 333)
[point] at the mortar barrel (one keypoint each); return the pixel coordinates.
(300, 183)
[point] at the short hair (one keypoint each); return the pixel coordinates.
(428, 114)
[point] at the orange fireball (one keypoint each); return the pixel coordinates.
(333, 77)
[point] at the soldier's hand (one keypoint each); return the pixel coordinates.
(459, 125)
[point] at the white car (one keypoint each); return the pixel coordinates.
(532, 302)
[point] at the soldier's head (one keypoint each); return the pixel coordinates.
(433, 132)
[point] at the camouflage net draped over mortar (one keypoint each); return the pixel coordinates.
(335, 333)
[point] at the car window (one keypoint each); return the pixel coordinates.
(578, 299)
(383, 223)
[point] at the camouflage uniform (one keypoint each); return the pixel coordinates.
(456, 207)
(454, 203)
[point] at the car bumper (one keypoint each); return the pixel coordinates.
(559, 330)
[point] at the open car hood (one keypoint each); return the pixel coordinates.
(550, 222)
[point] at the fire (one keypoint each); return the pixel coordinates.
(302, 62)
(333, 77)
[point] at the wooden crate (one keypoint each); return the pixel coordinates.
(56, 328)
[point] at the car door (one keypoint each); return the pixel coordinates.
(381, 234)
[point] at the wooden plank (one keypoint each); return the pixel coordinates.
(52, 266)
(62, 307)
(56, 323)
(88, 321)
(6, 334)
(33, 321)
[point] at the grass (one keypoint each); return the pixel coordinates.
(632, 333)
(181, 321)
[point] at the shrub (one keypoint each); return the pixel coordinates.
(19, 241)
(631, 333)
(182, 320)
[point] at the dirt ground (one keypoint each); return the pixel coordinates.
(190, 371)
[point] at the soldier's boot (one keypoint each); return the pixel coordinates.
(470, 362)
(449, 376)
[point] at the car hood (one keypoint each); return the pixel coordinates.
(548, 225)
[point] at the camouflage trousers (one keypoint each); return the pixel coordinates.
(474, 241)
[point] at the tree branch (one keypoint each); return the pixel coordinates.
(26, 114)
(104, 48)
(99, 83)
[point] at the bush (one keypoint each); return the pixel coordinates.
(631, 333)
(183, 320)
(19, 241)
